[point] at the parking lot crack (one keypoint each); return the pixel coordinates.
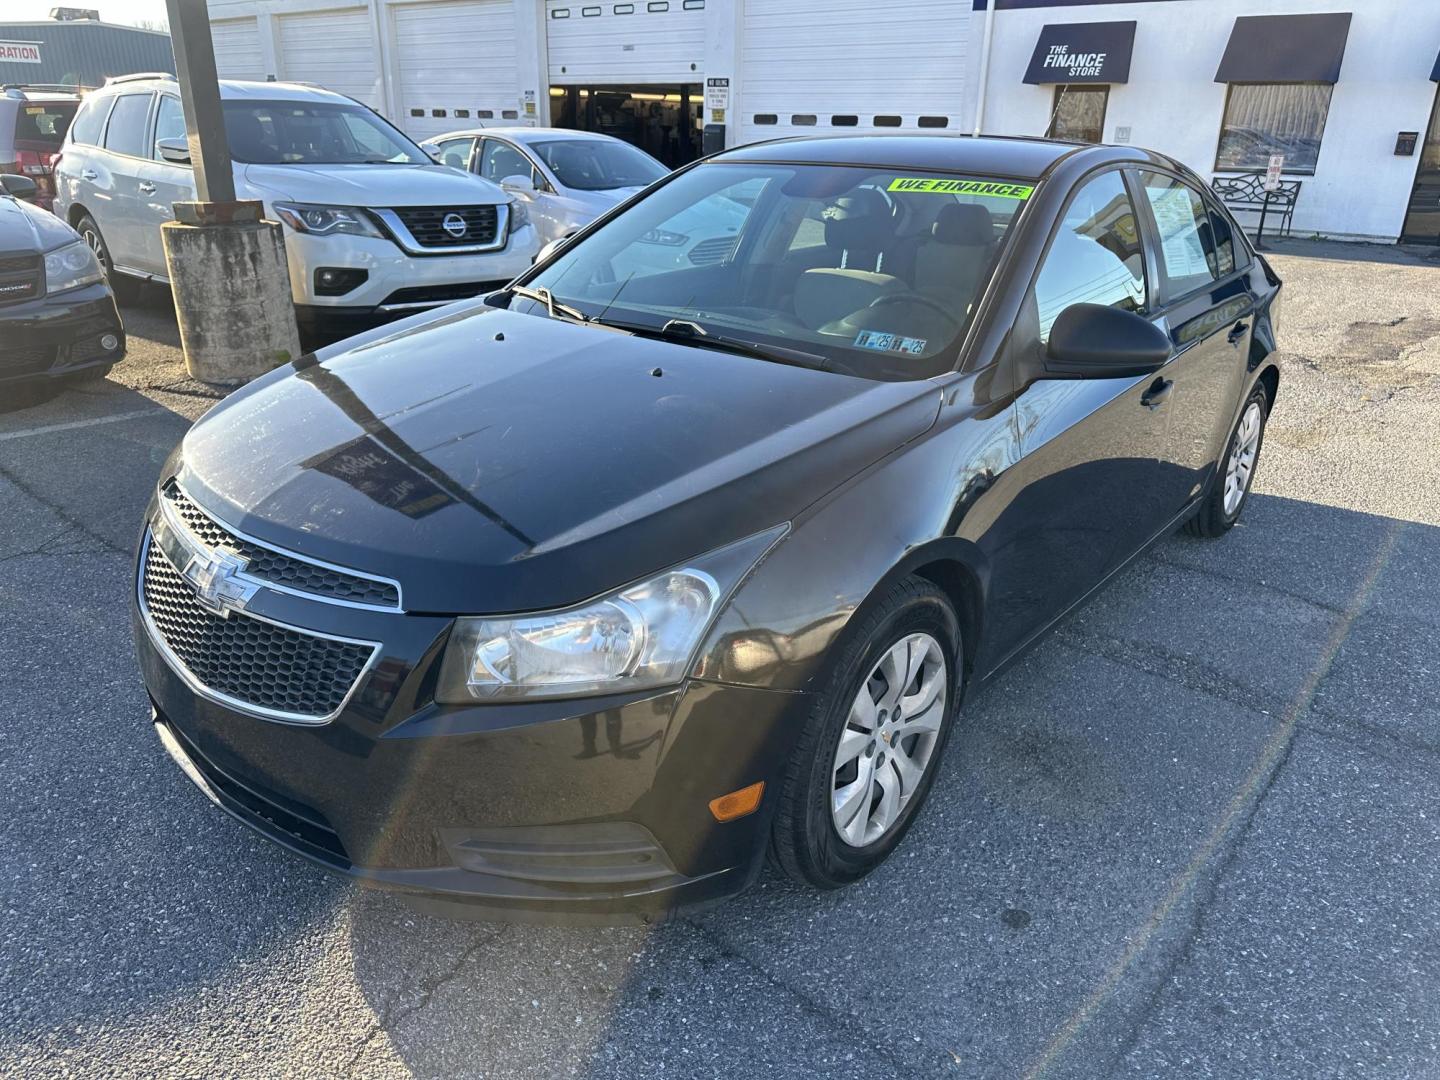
(1248, 583)
(391, 1016)
(70, 520)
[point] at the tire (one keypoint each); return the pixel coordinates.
(90, 233)
(1215, 517)
(807, 841)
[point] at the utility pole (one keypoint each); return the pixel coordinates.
(227, 266)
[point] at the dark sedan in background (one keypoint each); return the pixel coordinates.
(577, 600)
(57, 314)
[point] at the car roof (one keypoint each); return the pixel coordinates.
(525, 134)
(243, 90)
(986, 155)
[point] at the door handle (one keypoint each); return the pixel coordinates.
(88, 174)
(1237, 333)
(1157, 393)
(146, 188)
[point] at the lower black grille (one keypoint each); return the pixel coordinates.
(22, 277)
(440, 294)
(27, 361)
(271, 668)
(440, 226)
(304, 828)
(268, 565)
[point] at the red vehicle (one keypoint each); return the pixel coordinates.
(33, 122)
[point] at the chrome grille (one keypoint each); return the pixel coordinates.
(277, 568)
(278, 670)
(426, 224)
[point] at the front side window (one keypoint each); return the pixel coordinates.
(314, 133)
(1078, 114)
(456, 153)
(593, 165)
(1095, 257)
(870, 271)
(1187, 238)
(499, 160)
(125, 133)
(1273, 118)
(169, 123)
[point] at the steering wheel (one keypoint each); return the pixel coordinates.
(913, 298)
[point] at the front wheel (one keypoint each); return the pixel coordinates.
(1231, 489)
(873, 741)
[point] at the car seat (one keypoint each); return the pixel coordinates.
(949, 266)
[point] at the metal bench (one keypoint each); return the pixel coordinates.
(1247, 192)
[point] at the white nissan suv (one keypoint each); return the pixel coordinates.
(374, 229)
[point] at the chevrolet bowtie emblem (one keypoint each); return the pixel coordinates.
(215, 577)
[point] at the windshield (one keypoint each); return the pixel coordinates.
(596, 165)
(875, 270)
(43, 123)
(314, 133)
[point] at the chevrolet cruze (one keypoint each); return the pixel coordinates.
(582, 599)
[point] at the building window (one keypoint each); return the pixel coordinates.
(560, 13)
(437, 112)
(658, 5)
(509, 114)
(465, 113)
(694, 5)
(589, 12)
(485, 114)
(1273, 118)
(417, 112)
(934, 121)
(624, 9)
(1078, 114)
(766, 118)
(844, 121)
(803, 119)
(887, 121)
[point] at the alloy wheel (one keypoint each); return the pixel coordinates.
(889, 739)
(1241, 465)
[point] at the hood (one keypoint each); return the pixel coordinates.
(370, 185)
(25, 228)
(494, 462)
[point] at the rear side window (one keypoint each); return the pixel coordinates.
(43, 123)
(1096, 257)
(1187, 238)
(90, 121)
(125, 133)
(1226, 256)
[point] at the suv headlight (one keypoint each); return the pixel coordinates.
(326, 220)
(519, 215)
(641, 636)
(71, 267)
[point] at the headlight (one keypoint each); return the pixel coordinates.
(519, 214)
(644, 635)
(70, 267)
(327, 220)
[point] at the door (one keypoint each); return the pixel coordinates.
(113, 182)
(162, 185)
(497, 160)
(1079, 113)
(1208, 310)
(454, 61)
(1091, 489)
(237, 49)
(1422, 220)
(334, 49)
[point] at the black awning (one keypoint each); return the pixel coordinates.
(1096, 52)
(1285, 49)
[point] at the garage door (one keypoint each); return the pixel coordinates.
(813, 66)
(237, 49)
(455, 65)
(333, 49)
(648, 41)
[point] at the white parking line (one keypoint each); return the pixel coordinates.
(25, 433)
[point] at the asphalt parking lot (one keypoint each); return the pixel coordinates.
(1195, 833)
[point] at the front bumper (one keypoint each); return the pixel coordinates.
(54, 336)
(577, 811)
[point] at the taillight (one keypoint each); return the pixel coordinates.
(35, 162)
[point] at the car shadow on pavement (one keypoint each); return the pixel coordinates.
(1077, 861)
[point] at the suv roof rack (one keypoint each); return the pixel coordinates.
(139, 76)
(48, 88)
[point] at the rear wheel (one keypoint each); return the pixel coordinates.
(868, 755)
(1231, 489)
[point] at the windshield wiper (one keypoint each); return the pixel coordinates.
(553, 307)
(692, 333)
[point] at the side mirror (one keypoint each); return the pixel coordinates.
(1092, 341)
(519, 184)
(552, 248)
(431, 150)
(175, 151)
(22, 187)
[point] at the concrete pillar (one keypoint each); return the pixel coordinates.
(232, 289)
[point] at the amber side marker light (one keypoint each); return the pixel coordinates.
(738, 803)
